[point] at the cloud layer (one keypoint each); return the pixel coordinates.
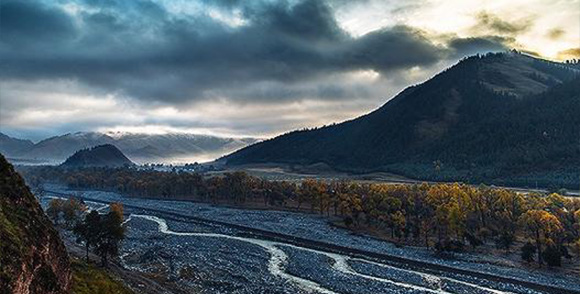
(192, 55)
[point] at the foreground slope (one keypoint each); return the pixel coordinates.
(33, 259)
(99, 156)
(501, 115)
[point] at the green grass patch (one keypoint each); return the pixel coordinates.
(89, 279)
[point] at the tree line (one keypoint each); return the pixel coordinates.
(449, 217)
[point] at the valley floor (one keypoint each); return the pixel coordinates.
(192, 245)
(283, 172)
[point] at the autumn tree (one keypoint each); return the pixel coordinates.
(398, 221)
(507, 208)
(541, 226)
(451, 205)
(314, 192)
(350, 207)
(577, 242)
(72, 209)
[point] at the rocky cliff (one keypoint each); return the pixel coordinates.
(33, 259)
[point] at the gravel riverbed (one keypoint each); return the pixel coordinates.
(216, 259)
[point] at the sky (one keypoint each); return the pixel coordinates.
(245, 68)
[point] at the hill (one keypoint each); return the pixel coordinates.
(504, 117)
(33, 259)
(99, 156)
(141, 148)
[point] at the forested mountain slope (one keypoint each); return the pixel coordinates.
(498, 117)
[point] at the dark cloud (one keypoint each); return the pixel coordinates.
(139, 49)
(496, 24)
(309, 21)
(27, 23)
(394, 48)
(478, 45)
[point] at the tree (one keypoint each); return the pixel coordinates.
(542, 226)
(111, 233)
(350, 207)
(89, 230)
(54, 209)
(576, 244)
(451, 204)
(71, 211)
(314, 192)
(398, 222)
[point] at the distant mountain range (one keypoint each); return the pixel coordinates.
(99, 156)
(141, 148)
(499, 118)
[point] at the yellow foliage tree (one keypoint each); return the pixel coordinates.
(541, 226)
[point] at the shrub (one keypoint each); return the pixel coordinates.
(528, 251)
(504, 241)
(450, 246)
(348, 221)
(473, 240)
(552, 255)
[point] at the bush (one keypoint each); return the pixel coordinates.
(528, 251)
(504, 241)
(552, 255)
(348, 221)
(473, 240)
(484, 233)
(450, 246)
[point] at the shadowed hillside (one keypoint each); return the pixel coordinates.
(103, 155)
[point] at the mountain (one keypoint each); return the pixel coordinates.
(12, 146)
(98, 156)
(146, 148)
(139, 147)
(33, 258)
(502, 116)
